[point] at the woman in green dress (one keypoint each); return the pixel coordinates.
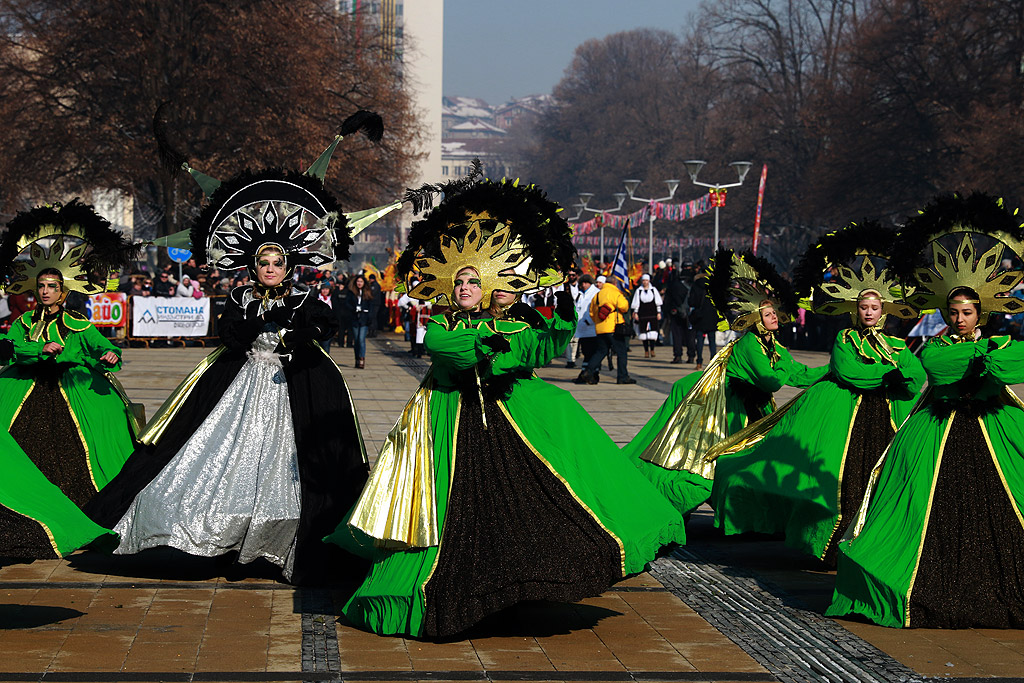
(69, 423)
(803, 470)
(494, 487)
(939, 539)
(734, 390)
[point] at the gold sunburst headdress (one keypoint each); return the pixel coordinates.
(840, 250)
(740, 284)
(72, 238)
(509, 232)
(934, 270)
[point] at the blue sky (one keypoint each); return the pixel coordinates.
(497, 49)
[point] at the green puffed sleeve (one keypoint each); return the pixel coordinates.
(534, 348)
(26, 351)
(1005, 362)
(457, 349)
(801, 375)
(93, 345)
(947, 362)
(750, 364)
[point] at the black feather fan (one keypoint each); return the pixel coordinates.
(423, 197)
(370, 123)
(201, 227)
(531, 216)
(984, 212)
(721, 281)
(108, 249)
(840, 248)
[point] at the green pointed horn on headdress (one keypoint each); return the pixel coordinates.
(209, 185)
(368, 122)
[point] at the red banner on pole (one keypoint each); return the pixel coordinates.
(760, 201)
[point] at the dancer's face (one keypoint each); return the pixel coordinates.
(502, 298)
(869, 311)
(963, 318)
(270, 269)
(769, 318)
(467, 292)
(48, 290)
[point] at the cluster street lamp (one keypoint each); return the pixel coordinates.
(694, 166)
(631, 186)
(585, 198)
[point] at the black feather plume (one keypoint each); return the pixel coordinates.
(423, 197)
(779, 286)
(986, 214)
(531, 216)
(840, 248)
(370, 123)
(171, 158)
(108, 249)
(719, 279)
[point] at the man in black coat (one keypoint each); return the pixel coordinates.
(678, 317)
(703, 317)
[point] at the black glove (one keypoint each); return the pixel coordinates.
(497, 343)
(303, 335)
(6, 351)
(893, 380)
(281, 315)
(564, 307)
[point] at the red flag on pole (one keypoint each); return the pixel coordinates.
(760, 201)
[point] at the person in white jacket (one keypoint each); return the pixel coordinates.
(586, 333)
(646, 307)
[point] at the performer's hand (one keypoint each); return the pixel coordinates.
(497, 343)
(110, 358)
(52, 348)
(564, 307)
(280, 315)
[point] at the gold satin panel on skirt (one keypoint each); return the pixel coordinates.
(398, 505)
(697, 424)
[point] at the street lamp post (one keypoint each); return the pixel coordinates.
(631, 186)
(694, 166)
(585, 198)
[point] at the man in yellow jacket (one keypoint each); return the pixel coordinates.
(608, 309)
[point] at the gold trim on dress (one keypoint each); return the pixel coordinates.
(568, 487)
(21, 405)
(752, 434)
(999, 470)
(46, 529)
(398, 506)
(698, 422)
(927, 516)
(842, 469)
(155, 428)
(451, 480)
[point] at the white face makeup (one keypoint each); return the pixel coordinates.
(467, 293)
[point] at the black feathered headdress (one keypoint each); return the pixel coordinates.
(511, 233)
(80, 244)
(936, 271)
(273, 207)
(739, 284)
(839, 250)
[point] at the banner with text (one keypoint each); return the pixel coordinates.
(170, 317)
(109, 309)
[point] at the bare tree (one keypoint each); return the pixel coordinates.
(249, 83)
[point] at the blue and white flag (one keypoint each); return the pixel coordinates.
(620, 269)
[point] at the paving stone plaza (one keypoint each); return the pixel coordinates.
(718, 609)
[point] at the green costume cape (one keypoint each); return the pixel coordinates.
(790, 480)
(98, 407)
(751, 377)
(880, 555)
(553, 425)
